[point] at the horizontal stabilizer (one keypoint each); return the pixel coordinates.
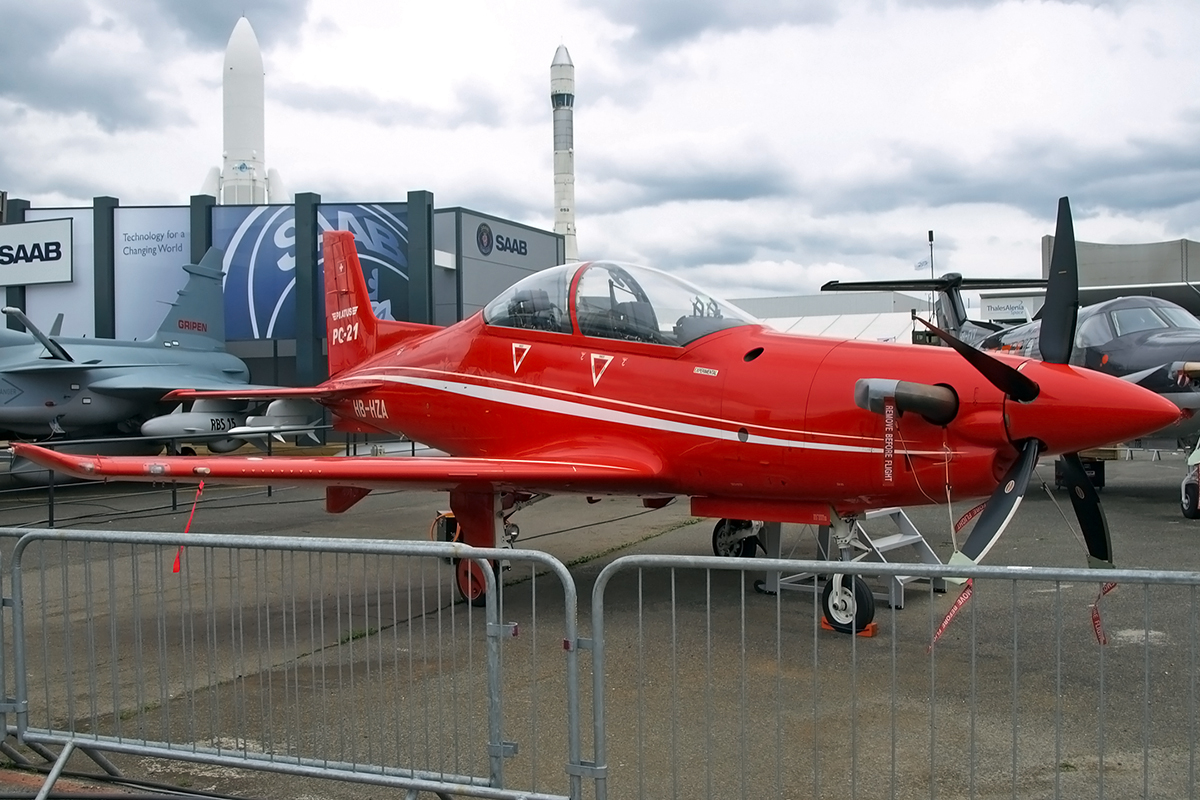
(951, 280)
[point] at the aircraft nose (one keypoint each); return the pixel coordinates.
(1078, 408)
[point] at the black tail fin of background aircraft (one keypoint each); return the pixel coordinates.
(197, 317)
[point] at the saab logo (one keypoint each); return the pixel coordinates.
(193, 325)
(45, 251)
(487, 241)
(517, 246)
(374, 409)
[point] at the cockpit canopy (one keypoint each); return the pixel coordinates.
(613, 301)
(1103, 322)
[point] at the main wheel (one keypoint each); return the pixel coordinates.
(1189, 503)
(470, 581)
(729, 539)
(851, 607)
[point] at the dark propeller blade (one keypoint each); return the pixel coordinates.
(1000, 507)
(1091, 517)
(1061, 308)
(1001, 375)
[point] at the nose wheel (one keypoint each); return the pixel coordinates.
(848, 603)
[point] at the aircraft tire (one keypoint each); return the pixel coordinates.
(724, 541)
(854, 607)
(1189, 503)
(469, 581)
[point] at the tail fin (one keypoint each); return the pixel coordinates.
(197, 317)
(349, 321)
(355, 333)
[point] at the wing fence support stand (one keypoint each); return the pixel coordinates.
(849, 541)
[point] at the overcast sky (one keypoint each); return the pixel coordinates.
(757, 147)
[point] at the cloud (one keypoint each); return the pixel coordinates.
(207, 25)
(112, 61)
(94, 67)
(470, 106)
(664, 25)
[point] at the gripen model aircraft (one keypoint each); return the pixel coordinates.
(600, 378)
(1145, 340)
(91, 388)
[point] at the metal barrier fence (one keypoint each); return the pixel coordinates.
(328, 658)
(725, 692)
(351, 660)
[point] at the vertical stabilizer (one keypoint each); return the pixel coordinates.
(197, 317)
(350, 324)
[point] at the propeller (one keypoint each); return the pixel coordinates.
(1001, 507)
(1001, 375)
(1055, 340)
(1061, 309)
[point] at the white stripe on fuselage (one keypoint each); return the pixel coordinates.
(524, 398)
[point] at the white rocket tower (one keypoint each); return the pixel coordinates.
(562, 100)
(243, 177)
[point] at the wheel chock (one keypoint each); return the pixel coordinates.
(867, 632)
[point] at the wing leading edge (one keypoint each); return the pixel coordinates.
(578, 474)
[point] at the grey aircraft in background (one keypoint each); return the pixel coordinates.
(52, 387)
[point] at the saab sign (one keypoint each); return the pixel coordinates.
(487, 241)
(35, 252)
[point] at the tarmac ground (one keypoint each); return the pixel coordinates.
(1140, 499)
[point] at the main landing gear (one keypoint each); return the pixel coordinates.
(735, 538)
(480, 519)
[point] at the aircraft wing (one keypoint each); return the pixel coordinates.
(329, 390)
(579, 473)
(53, 366)
(158, 382)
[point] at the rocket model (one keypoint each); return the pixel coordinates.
(243, 177)
(562, 100)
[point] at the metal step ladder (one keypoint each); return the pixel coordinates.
(867, 549)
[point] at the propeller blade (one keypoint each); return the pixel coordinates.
(1088, 510)
(1001, 375)
(1061, 308)
(1001, 507)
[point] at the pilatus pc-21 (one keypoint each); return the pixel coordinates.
(599, 378)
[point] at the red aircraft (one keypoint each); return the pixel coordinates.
(600, 378)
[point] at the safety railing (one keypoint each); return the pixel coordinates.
(351, 660)
(346, 659)
(706, 688)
